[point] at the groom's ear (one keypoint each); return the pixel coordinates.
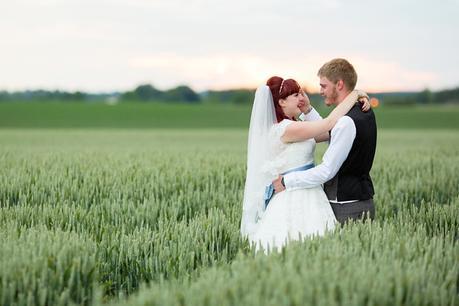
(340, 85)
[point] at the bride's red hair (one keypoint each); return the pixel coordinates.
(281, 89)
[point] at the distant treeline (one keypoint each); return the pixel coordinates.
(447, 96)
(184, 94)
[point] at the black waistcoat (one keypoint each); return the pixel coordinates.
(353, 181)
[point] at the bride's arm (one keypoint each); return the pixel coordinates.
(312, 115)
(322, 137)
(364, 100)
(308, 113)
(298, 131)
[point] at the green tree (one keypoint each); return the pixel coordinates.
(181, 94)
(144, 92)
(424, 96)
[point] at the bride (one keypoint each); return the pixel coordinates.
(278, 144)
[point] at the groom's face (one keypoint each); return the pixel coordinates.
(328, 91)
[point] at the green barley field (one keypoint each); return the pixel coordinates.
(118, 205)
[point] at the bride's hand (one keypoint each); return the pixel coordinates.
(305, 104)
(364, 100)
(297, 113)
(365, 104)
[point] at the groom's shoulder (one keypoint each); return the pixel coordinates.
(355, 110)
(362, 120)
(356, 113)
(345, 122)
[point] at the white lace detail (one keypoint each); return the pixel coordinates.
(287, 156)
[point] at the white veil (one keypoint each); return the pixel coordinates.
(262, 119)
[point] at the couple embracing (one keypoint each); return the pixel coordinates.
(283, 196)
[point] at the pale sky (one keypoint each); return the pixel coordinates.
(102, 45)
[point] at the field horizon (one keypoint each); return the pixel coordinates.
(177, 116)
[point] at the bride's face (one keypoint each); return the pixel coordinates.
(290, 105)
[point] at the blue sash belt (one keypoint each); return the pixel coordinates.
(269, 190)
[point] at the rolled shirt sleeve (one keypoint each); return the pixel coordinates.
(313, 115)
(342, 138)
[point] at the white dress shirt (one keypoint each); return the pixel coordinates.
(342, 138)
(313, 115)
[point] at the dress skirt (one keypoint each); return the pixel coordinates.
(294, 215)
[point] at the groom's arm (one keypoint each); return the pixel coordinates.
(342, 138)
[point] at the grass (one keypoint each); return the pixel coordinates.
(151, 217)
(178, 116)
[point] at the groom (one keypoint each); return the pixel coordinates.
(346, 165)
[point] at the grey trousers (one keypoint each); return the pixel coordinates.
(354, 211)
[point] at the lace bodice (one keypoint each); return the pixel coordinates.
(287, 156)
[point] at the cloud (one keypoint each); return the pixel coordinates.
(240, 70)
(117, 44)
(383, 75)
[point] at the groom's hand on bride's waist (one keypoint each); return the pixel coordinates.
(279, 184)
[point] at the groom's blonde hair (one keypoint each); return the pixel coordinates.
(339, 69)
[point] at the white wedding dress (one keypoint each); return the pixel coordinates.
(291, 214)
